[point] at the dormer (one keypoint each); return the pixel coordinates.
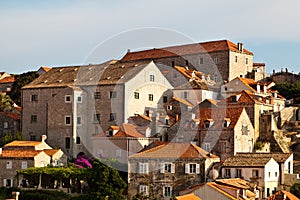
(226, 122)
(208, 123)
(112, 131)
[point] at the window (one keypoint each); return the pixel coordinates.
(67, 120)
(269, 174)
(97, 117)
(167, 191)
(8, 182)
(268, 192)
(77, 140)
(201, 61)
(5, 125)
(150, 97)
(33, 118)
(24, 165)
(255, 173)
(68, 142)
(167, 168)
(225, 88)
(78, 121)
(79, 99)
(276, 174)
(97, 95)
(152, 78)
(112, 94)
(9, 164)
(223, 147)
(136, 95)
(238, 173)
(169, 107)
(118, 153)
(34, 97)
(185, 95)
(165, 99)
(206, 146)
(245, 130)
(227, 173)
(112, 116)
(143, 189)
(68, 98)
(192, 168)
(173, 63)
(143, 168)
(32, 137)
(235, 59)
(246, 61)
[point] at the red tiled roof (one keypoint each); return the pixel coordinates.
(9, 79)
(11, 115)
(174, 150)
(22, 143)
(19, 153)
(188, 49)
(46, 69)
(188, 197)
(279, 196)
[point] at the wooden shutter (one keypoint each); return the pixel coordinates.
(162, 168)
(4, 182)
(187, 168)
(197, 168)
(172, 168)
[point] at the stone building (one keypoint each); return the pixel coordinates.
(71, 104)
(222, 59)
(168, 168)
(9, 123)
(19, 155)
(6, 84)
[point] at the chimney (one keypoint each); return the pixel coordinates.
(258, 88)
(240, 46)
(128, 50)
(44, 137)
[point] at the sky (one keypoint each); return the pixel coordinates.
(54, 33)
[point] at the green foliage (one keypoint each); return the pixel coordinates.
(21, 80)
(295, 189)
(289, 91)
(8, 137)
(5, 102)
(43, 195)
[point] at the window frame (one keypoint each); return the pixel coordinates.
(68, 142)
(113, 94)
(167, 191)
(150, 97)
(68, 99)
(9, 164)
(238, 173)
(112, 116)
(143, 168)
(34, 98)
(97, 95)
(33, 119)
(68, 117)
(152, 78)
(227, 173)
(143, 189)
(136, 95)
(79, 121)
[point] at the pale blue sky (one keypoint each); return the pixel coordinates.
(59, 33)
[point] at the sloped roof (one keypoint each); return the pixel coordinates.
(279, 196)
(235, 182)
(51, 152)
(129, 130)
(188, 197)
(19, 153)
(183, 101)
(279, 157)
(46, 69)
(181, 50)
(111, 72)
(11, 115)
(174, 150)
(22, 143)
(193, 85)
(9, 79)
(248, 160)
(217, 115)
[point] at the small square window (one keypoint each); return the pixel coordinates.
(227, 173)
(235, 59)
(68, 98)
(136, 95)
(79, 121)
(165, 99)
(79, 99)
(112, 116)
(143, 189)
(238, 173)
(67, 120)
(8, 164)
(5, 125)
(97, 117)
(34, 97)
(118, 153)
(152, 78)
(24, 165)
(167, 191)
(68, 142)
(246, 61)
(150, 97)
(33, 118)
(201, 61)
(97, 95)
(77, 140)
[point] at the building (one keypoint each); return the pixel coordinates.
(9, 124)
(263, 169)
(222, 59)
(119, 142)
(6, 84)
(168, 168)
(71, 104)
(229, 189)
(283, 195)
(19, 155)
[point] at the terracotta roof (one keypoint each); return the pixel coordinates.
(46, 69)
(17, 143)
(259, 64)
(235, 182)
(100, 74)
(193, 84)
(187, 49)
(254, 159)
(279, 195)
(9, 79)
(228, 191)
(11, 115)
(19, 153)
(51, 152)
(188, 197)
(174, 150)
(183, 101)
(129, 130)
(217, 115)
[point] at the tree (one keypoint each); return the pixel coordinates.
(5, 102)
(21, 81)
(295, 189)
